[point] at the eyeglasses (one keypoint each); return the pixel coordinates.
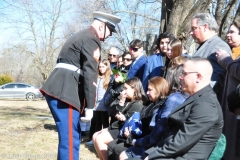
(112, 55)
(134, 49)
(232, 32)
(183, 73)
(127, 59)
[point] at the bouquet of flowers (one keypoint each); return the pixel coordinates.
(119, 77)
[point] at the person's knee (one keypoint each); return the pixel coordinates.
(123, 156)
(94, 137)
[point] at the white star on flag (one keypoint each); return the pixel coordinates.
(138, 130)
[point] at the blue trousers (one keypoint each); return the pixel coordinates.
(68, 126)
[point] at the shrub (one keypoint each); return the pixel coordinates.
(5, 79)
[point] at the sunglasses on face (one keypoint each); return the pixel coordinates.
(134, 49)
(112, 55)
(127, 59)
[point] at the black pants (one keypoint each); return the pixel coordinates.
(99, 120)
(115, 148)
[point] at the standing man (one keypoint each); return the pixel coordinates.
(113, 57)
(204, 30)
(71, 87)
(137, 67)
(156, 62)
(196, 125)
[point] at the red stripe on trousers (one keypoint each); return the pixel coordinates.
(70, 133)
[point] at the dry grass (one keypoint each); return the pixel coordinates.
(28, 132)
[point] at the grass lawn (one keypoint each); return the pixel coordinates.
(28, 132)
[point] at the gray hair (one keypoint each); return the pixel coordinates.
(114, 49)
(206, 18)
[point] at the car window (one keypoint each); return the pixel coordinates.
(10, 86)
(22, 86)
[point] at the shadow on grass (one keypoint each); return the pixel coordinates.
(50, 127)
(24, 111)
(91, 149)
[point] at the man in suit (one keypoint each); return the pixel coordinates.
(71, 87)
(204, 30)
(196, 125)
(137, 67)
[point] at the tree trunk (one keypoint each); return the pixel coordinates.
(166, 11)
(218, 15)
(176, 14)
(227, 16)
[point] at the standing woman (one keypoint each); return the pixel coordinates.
(116, 87)
(232, 65)
(174, 49)
(127, 59)
(100, 114)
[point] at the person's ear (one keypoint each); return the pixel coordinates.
(101, 26)
(199, 77)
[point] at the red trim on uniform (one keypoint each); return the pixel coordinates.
(43, 92)
(70, 135)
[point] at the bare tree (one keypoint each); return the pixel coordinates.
(39, 26)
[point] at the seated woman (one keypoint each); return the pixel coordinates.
(158, 90)
(131, 101)
(160, 130)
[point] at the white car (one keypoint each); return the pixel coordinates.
(20, 90)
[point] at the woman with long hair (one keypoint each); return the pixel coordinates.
(100, 117)
(131, 101)
(158, 90)
(160, 130)
(174, 49)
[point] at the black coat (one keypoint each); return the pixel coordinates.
(83, 51)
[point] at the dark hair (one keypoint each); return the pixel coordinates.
(236, 23)
(173, 80)
(164, 35)
(136, 43)
(160, 85)
(139, 92)
(126, 53)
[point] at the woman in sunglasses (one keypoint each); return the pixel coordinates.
(127, 59)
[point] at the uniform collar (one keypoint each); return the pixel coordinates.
(93, 31)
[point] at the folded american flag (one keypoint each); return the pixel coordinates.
(133, 124)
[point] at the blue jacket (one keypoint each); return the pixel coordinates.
(161, 129)
(137, 69)
(153, 68)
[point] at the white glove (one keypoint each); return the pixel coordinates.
(88, 115)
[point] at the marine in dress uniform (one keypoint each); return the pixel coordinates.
(71, 86)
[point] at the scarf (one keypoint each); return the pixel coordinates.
(235, 53)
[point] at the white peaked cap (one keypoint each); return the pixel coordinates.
(109, 19)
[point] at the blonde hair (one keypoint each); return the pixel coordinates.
(107, 74)
(177, 61)
(160, 85)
